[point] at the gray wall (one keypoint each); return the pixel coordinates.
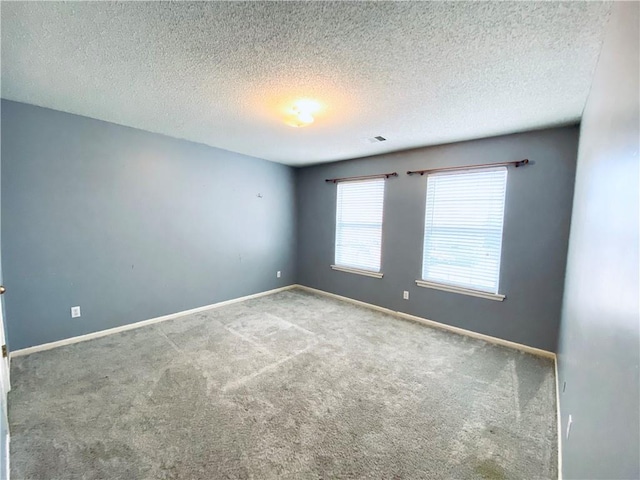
(131, 225)
(536, 231)
(600, 339)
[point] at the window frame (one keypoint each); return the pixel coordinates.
(453, 287)
(350, 268)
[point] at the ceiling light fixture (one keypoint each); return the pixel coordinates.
(301, 113)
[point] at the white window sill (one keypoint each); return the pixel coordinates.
(464, 291)
(357, 271)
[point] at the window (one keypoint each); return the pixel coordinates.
(359, 226)
(463, 230)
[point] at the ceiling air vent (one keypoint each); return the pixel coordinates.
(377, 139)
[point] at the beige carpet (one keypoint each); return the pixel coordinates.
(292, 386)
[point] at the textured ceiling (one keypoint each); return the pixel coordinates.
(417, 73)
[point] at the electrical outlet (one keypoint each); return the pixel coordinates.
(569, 422)
(278, 274)
(75, 312)
(405, 295)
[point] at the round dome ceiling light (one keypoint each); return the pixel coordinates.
(302, 111)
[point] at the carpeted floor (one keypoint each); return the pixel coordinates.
(292, 386)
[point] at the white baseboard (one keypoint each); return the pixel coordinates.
(559, 426)
(143, 323)
(442, 326)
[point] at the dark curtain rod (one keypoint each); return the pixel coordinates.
(363, 177)
(516, 164)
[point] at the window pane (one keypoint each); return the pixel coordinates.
(463, 228)
(359, 224)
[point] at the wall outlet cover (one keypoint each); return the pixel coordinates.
(405, 295)
(75, 312)
(278, 274)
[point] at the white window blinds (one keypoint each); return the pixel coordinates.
(359, 224)
(463, 228)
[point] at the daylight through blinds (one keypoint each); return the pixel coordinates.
(463, 228)
(359, 224)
